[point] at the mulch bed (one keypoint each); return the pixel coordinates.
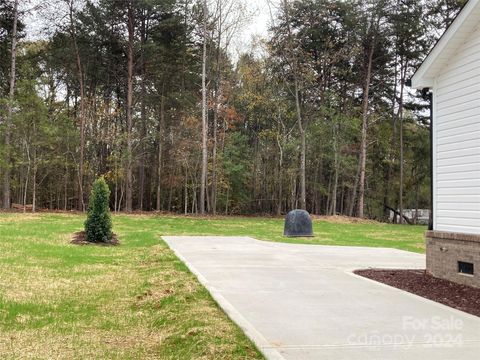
(418, 282)
(79, 239)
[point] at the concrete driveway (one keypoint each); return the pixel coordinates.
(303, 302)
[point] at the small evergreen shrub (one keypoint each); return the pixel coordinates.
(98, 226)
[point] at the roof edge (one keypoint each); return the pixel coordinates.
(419, 78)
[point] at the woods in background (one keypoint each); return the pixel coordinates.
(148, 94)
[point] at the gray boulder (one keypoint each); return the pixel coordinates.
(298, 223)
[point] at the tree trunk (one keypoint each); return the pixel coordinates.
(35, 170)
(143, 117)
(409, 222)
(185, 205)
(353, 197)
(226, 202)
(34, 185)
(391, 155)
(417, 200)
(160, 139)
(400, 118)
(280, 177)
(213, 197)
(9, 120)
(204, 112)
(129, 184)
(253, 206)
(294, 65)
(303, 149)
(27, 177)
(81, 114)
(115, 166)
(333, 210)
(293, 193)
(65, 190)
(363, 143)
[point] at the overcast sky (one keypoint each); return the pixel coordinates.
(260, 21)
(262, 12)
(256, 27)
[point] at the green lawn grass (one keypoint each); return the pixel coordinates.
(133, 301)
(137, 300)
(371, 234)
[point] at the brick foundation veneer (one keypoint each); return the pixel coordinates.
(446, 249)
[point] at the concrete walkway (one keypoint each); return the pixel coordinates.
(303, 302)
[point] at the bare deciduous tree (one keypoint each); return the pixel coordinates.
(8, 121)
(81, 113)
(204, 111)
(131, 29)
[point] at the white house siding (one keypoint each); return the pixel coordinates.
(457, 141)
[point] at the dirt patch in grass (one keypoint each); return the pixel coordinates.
(344, 219)
(419, 282)
(11, 217)
(79, 239)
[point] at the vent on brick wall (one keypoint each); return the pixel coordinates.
(465, 268)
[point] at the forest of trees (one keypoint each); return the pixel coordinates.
(148, 93)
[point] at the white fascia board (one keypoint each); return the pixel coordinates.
(424, 75)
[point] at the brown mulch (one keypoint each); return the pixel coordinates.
(79, 239)
(419, 282)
